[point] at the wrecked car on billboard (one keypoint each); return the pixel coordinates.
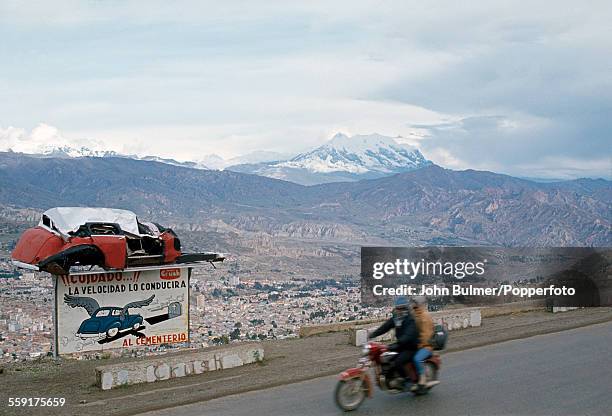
(113, 239)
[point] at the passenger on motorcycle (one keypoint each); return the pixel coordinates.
(406, 334)
(424, 324)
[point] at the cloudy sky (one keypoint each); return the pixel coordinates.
(513, 87)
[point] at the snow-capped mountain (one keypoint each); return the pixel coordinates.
(343, 158)
(69, 151)
(45, 140)
(48, 141)
(259, 156)
(74, 152)
(359, 154)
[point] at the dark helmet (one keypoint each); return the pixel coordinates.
(401, 302)
(401, 308)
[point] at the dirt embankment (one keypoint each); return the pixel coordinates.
(286, 362)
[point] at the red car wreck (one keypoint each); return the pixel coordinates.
(105, 237)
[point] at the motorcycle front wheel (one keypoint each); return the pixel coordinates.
(350, 394)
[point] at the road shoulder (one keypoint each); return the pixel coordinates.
(287, 361)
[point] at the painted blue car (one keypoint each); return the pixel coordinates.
(107, 322)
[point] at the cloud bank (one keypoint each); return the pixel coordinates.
(505, 86)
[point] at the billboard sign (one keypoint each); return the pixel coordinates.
(100, 311)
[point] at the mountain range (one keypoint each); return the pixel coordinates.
(474, 206)
(341, 159)
(279, 228)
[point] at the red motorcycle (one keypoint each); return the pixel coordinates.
(354, 384)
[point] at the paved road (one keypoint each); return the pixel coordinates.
(567, 373)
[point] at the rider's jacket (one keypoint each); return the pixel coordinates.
(406, 331)
(424, 325)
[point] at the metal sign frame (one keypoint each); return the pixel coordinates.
(188, 266)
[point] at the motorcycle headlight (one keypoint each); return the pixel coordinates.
(366, 349)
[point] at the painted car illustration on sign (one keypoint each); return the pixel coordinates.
(109, 321)
(113, 239)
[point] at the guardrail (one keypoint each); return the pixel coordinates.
(453, 319)
(179, 365)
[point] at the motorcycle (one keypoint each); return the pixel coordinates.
(354, 384)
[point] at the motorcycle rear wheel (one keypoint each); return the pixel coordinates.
(350, 394)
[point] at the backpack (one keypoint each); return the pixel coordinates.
(439, 338)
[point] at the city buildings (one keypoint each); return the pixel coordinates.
(222, 310)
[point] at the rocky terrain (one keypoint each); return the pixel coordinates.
(274, 225)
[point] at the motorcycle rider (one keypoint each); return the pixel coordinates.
(406, 335)
(424, 325)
